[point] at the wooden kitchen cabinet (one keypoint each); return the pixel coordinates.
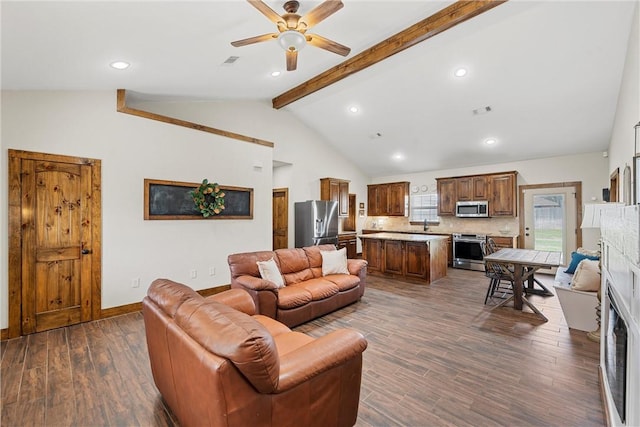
(505, 241)
(498, 189)
(447, 196)
(350, 242)
(398, 199)
(502, 197)
(416, 257)
(480, 187)
(407, 256)
(376, 198)
(393, 257)
(471, 188)
(389, 199)
(338, 191)
(372, 251)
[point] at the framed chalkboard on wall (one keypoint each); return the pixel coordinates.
(171, 200)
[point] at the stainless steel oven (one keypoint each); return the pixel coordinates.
(467, 251)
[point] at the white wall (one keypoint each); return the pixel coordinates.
(621, 148)
(310, 157)
(590, 169)
(131, 148)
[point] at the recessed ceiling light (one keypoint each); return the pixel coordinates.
(398, 156)
(490, 141)
(460, 72)
(275, 74)
(120, 65)
(354, 109)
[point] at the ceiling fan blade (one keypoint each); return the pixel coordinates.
(292, 60)
(326, 44)
(256, 39)
(320, 12)
(267, 11)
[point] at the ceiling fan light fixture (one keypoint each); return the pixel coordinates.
(292, 41)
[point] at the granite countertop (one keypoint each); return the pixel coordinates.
(509, 235)
(414, 237)
(442, 233)
(428, 232)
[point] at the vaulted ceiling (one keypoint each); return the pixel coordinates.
(549, 71)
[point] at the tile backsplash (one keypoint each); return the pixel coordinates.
(493, 226)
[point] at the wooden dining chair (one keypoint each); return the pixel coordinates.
(501, 278)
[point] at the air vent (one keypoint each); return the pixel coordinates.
(230, 60)
(482, 110)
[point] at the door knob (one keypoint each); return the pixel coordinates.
(86, 251)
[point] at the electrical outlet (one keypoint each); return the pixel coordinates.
(212, 271)
(194, 274)
(135, 283)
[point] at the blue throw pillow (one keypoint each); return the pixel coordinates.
(575, 260)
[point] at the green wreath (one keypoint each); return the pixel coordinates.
(208, 198)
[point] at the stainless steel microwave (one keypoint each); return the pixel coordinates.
(474, 209)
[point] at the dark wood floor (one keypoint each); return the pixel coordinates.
(436, 357)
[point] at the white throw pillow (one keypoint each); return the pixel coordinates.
(334, 262)
(269, 271)
(589, 252)
(587, 276)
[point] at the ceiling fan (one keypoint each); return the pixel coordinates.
(292, 29)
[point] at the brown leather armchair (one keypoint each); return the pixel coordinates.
(217, 364)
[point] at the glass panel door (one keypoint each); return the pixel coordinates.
(550, 220)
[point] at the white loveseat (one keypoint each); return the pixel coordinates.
(579, 307)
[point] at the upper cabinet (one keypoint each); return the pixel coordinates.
(472, 188)
(502, 200)
(336, 190)
(389, 199)
(447, 196)
(498, 189)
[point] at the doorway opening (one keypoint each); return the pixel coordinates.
(550, 214)
(280, 218)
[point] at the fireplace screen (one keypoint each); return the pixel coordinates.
(615, 356)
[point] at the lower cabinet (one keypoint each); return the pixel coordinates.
(372, 252)
(350, 242)
(393, 256)
(505, 242)
(416, 256)
(410, 260)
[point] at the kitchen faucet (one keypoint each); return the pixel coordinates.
(426, 227)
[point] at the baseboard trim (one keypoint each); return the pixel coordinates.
(137, 306)
(212, 291)
(131, 308)
(120, 310)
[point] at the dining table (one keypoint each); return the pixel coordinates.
(522, 264)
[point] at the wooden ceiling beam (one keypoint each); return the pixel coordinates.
(441, 21)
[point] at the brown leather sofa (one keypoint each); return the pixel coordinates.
(217, 364)
(307, 293)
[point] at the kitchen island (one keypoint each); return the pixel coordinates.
(414, 257)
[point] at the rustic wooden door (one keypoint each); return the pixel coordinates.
(280, 218)
(58, 264)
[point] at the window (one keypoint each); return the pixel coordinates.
(424, 206)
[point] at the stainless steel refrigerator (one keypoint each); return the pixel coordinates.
(316, 223)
